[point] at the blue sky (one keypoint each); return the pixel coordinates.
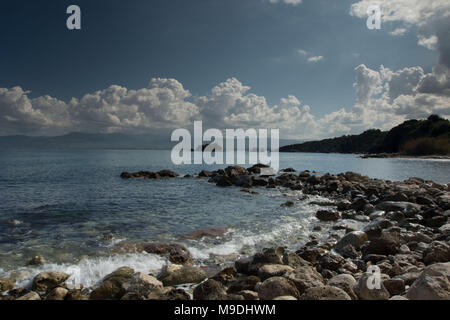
(201, 44)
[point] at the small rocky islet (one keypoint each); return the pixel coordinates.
(406, 235)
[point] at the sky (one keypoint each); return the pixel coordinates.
(311, 68)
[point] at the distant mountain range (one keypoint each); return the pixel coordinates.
(413, 137)
(78, 140)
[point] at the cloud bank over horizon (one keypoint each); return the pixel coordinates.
(383, 97)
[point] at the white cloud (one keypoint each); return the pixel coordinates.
(291, 2)
(315, 59)
(398, 32)
(302, 52)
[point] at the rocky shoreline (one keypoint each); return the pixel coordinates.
(406, 239)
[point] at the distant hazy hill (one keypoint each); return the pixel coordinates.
(415, 137)
(76, 140)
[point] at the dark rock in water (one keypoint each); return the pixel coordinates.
(248, 191)
(259, 182)
(222, 181)
(288, 204)
(205, 174)
(326, 215)
(276, 287)
(46, 281)
(167, 174)
(208, 233)
(176, 253)
(111, 287)
(355, 238)
(269, 256)
(288, 170)
(245, 283)
(235, 171)
(244, 181)
(36, 261)
(256, 169)
(210, 290)
(140, 175)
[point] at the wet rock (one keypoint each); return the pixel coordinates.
(235, 171)
(355, 238)
(364, 292)
(244, 181)
(242, 265)
(140, 175)
(6, 284)
(76, 294)
(394, 286)
(304, 277)
(445, 230)
(325, 293)
(344, 282)
(36, 261)
(209, 290)
(326, 215)
(259, 182)
(57, 294)
(186, 274)
(30, 296)
(176, 253)
(269, 256)
(112, 285)
(205, 174)
(432, 284)
(311, 255)
(207, 232)
(222, 181)
(276, 287)
(141, 284)
(245, 283)
(46, 281)
(167, 174)
(437, 251)
(288, 204)
(273, 270)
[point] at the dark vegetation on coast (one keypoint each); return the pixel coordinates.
(412, 137)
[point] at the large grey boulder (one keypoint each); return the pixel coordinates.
(432, 284)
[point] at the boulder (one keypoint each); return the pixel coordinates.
(248, 294)
(36, 261)
(394, 286)
(168, 293)
(276, 287)
(437, 251)
(273, 270)
(141, 284)
(326, 215)
(6, 284)
(167, 174)
(184, 275)
(209, 290)
(344, 282)
(245, 283)
(331, 261)
(242, 265)
(293, 260)
(57, 294)
(46, 281)
(355, 238)
(111, 287)
(304, 277)
(384, 245)
(325, 293)
(366, 292)
(176, 253)
(432, 284)
(225, 276)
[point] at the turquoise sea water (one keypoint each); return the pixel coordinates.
(72, 207)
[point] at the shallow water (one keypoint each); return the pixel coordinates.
(72, 207)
